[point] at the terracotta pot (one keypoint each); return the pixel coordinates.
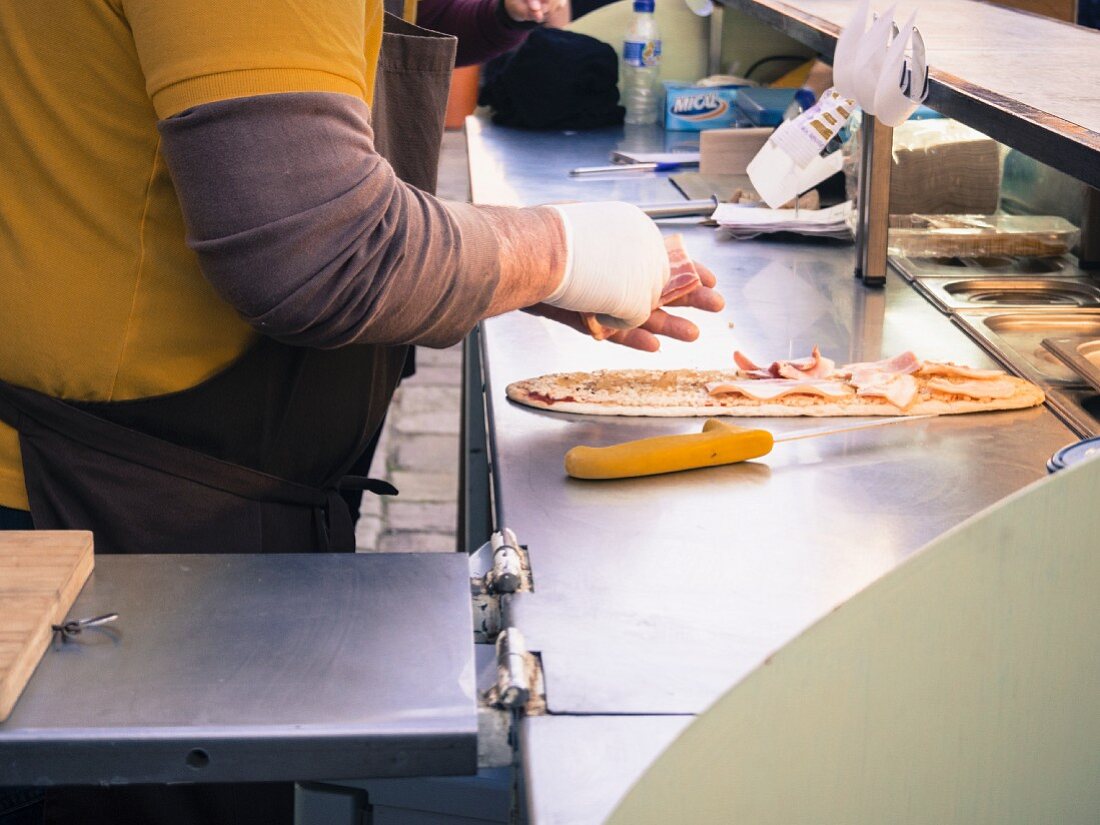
(463, 97)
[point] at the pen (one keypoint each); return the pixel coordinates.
(631, 167)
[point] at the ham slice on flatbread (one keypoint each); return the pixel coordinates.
(903, 385)
(683, 278)
(799, 368)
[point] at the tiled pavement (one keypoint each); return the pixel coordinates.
(418, 451)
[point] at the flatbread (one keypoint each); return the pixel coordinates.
(681, 393)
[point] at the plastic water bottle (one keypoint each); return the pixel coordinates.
(641, 64)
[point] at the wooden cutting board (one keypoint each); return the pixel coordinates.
(41, 573)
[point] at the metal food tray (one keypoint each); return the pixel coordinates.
(1081, 353)
(1002, 266)
(993, 293)
(1078, 407)
(1015, 338)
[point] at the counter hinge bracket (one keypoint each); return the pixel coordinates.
(519, 685)
(511, 570)
(500, 566)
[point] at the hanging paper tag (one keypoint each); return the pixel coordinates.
(806, 136)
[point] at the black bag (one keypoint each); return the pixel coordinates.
(555, 80)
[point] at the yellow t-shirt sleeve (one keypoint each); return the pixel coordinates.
(200, 51)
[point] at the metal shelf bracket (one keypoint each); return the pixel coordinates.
(873, 215)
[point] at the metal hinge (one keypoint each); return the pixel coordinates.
(499, 570)
(519, 685)
(510, 569)
(499, 567)
(517, 689)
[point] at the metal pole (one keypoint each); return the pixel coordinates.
(866, 147)
(714, 47)
(1088, 252)
(474, 496)
(876, 150)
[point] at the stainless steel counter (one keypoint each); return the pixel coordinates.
(581, 780)
(255, 668)
(654, 596)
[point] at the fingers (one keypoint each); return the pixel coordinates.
(671, 326)
(556, 13)
(705, 275)
(637, 339)
(660, 323)
(640, 338)
(525, 10)
(704, 298)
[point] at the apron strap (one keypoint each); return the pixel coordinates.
(410, 99)
(378, 486)
(145, 450)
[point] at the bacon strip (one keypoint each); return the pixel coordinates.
(893, 379)
(798, 369)
(904, 364)
(683, 279)
(748, 368)
(952, 370)
(973, 389)
(813, 367)
(745, 363)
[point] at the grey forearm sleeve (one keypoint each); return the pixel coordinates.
(305, 230)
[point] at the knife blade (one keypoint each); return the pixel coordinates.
(863, 425)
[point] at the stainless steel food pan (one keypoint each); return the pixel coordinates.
(999, 265)
(1081, 353)
(952, 294)
(1016, 340)
(1078, 407)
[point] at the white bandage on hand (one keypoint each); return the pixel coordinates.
(616, 264)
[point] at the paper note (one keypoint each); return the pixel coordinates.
(742, 222)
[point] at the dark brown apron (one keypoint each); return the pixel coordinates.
(250, 460)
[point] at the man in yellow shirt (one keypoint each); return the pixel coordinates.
(205, 257)
(200, 243)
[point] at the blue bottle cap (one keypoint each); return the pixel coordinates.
(1089, 448)
(643, 5)
(805, 97)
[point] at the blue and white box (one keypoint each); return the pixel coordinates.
(690, 108)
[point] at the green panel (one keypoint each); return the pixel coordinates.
(683, 35)
(684, 38)
(964, 687)
(746, 40)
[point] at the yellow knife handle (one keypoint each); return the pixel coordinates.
(718, 443)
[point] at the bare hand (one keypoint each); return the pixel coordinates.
(537, 11)
(705, 297)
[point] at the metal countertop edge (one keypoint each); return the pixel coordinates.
(1066, 146)
(491, 431)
